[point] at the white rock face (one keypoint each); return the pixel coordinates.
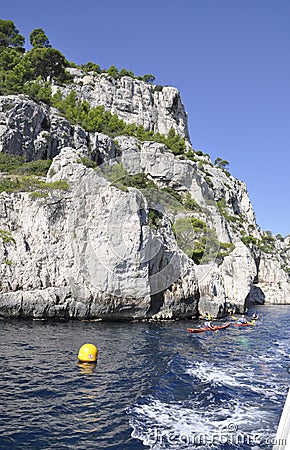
(273, 281)
(39, 132)
(33, 130)
(92, 251)
(212, 291)
(241, 263)
(72, 242)
(133, 101)
(84, 252)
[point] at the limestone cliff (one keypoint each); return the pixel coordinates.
(132, 100)
(112, 247)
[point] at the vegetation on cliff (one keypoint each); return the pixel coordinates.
(18, 67)
(32, 72)
(17, 165)
(94, 119)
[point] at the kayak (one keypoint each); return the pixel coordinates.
(244, 324)
(252, 320)
(214, 328)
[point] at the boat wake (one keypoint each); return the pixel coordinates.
(162, 425)
(202, 404)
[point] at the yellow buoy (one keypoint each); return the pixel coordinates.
(88, 353)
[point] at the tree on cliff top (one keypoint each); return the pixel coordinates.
(18, 67)
(48, 63)
(39, 39)
(10, 36)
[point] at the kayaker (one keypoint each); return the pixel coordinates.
(242, 320)
(208, 324)
(255, 316)
(207, 316)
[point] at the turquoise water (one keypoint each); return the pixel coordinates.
(155, 386)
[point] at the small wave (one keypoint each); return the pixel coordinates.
(282, 347)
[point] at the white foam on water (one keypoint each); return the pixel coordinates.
(208, 421)
(210, 373)
(161, 425)
(233, 377)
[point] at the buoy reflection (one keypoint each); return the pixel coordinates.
(87, 368)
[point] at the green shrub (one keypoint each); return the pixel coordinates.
(190, 154)
(173, 193)
(198, 241)
(139, 181)
(30, 183)
(113, 72)
(120, 178)
(17, 164)
(88, 162)
(38, 194)
(154, 219)
(209, 181)
(126, 73)
(91, 67)
(198, 224)
(222, 204)
(7, 237)
(190, 203)
(225, 248)
(211, 244)
(237, 218)
(221, 163)
(59, 184)
(197, 252)
(185, 237)
(173, 141)
(39, 167)
(148, 78)
(8, 262)
(38, 91)
(115, 174)
(249, 240)
(9, 163)
(267, 243)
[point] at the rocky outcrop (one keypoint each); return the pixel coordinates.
(273, 281)
(39, 132)
(88, 253)
(132, 100)
(108, 249)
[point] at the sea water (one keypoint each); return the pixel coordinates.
(155, 386)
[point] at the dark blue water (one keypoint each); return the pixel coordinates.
(155, 386)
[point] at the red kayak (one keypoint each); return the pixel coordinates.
(214, 328)
(243, 324)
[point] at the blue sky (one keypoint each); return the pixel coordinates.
(230, 59)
